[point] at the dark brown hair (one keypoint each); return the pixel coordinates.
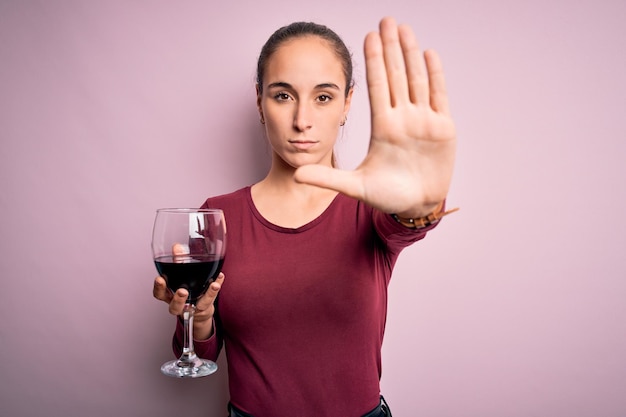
(302, 29)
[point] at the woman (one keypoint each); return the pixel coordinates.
(312, 248)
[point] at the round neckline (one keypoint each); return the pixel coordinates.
(282, 229)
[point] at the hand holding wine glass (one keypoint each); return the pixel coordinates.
(203, 316)
(188, 248)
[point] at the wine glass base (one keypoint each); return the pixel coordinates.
(195, 369)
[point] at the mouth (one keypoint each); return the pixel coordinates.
(302, 144)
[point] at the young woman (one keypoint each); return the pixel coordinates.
(312, 248)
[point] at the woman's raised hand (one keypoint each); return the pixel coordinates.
(409, 164)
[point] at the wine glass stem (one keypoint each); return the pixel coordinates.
(189, 355)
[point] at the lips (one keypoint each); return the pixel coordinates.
(302, 144)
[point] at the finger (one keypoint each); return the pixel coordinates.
(437, 83)
(345, 182)
(160, 290)
(377, 85)
(209, 297)
(394, 61)
(179, 251)
(417, 77)
(179, 299)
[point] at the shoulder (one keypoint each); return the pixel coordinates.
(227, 201)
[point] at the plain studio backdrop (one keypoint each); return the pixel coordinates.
(513, 307)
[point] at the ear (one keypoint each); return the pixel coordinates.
(346, 106)
(259, 97)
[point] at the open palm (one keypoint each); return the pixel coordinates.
(409, 164)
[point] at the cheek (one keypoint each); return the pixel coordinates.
(330, 121)
(274, 131)
(276, 116)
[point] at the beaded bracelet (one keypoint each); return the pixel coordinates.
(421, 222)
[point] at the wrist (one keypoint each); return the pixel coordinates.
(421, 211)
(203, 330)
(421, 222)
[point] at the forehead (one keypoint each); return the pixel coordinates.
(305, 58)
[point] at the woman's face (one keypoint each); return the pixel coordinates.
(303, 101)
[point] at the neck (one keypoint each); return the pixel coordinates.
(280, 178)
(278, 183)
(284, 202)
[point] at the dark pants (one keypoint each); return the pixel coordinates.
(381, 410)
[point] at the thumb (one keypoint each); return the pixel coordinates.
(345, 182)
(209, 297)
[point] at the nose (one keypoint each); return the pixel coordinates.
(302, 119)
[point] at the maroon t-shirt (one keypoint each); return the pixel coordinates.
(302, 311)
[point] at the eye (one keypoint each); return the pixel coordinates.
(324, 98)
(281, 96)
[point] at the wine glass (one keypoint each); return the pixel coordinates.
(188, 246)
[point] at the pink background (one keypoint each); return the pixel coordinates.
(513, 307)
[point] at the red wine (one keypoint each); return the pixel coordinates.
(193, 273)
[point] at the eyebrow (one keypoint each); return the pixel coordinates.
(285, 85)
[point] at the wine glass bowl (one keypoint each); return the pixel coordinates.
(188, 248)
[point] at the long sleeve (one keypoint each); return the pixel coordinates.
(396, 236)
